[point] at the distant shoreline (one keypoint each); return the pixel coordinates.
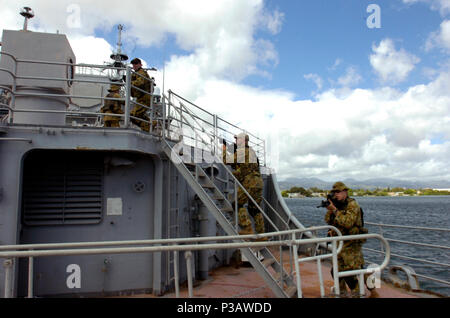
(299, 192)
(375, 196)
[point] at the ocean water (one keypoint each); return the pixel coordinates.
(424, 211)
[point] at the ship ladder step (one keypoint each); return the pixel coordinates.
(220, 207)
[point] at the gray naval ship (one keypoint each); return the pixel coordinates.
(66, 178)
(87, 210)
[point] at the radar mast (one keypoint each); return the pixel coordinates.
(27, 13)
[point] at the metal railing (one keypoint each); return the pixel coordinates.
(165, 116)
(11, 252)
(419, 244)
(333, 255)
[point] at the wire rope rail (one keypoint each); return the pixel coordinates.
(412, 243)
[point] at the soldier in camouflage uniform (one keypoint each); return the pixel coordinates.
(345, 215)
(144, 83)
(112, 107)
(247, 173)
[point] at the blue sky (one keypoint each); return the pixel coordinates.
(325, 38)
(332, 97)
(317, 33)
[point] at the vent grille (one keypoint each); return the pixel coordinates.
(64, 192)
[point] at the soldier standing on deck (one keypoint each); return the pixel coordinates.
(345, 214)
(142, 81)
(247, 173)
(112, 107)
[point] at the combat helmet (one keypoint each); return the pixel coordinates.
(339, 186)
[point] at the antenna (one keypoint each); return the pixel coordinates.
(118, 56)
(27, 13)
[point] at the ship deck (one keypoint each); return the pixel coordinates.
(243, 282)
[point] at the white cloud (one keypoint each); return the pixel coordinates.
(337, 62)
(443, 6)
(90, 49)
(274, 21)
(218, 34)
(440, 38)
(391, 65)
(350, 78)
(364, 134)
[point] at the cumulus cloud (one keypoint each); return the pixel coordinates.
(218, 34)
(90, 49)
(366, 133)
(440, 38)
(391, 65)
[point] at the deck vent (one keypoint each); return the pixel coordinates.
(65, 190)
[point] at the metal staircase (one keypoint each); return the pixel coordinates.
(281, 283)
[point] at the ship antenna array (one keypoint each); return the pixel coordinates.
(119, 56)
(27, 13)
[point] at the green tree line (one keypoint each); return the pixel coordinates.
(365, 192)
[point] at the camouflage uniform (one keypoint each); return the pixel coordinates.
(112, 107)
(348, 220)
(247, 173)
(139, 111)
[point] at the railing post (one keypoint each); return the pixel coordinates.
(236, 211)
(30, 276)
(335, 269)
(297, 267)
(127, 97)
(362, 290)
(152, 112)
(163, 116)
(13, 95)
(176, 274)
(215, 134)
(319, 271)
(188, 256)
(8, 266)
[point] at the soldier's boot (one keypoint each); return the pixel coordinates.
(342, 288)
(353, 284)
(355, 292)
(259, 226)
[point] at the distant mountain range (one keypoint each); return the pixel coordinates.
(369, 184)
